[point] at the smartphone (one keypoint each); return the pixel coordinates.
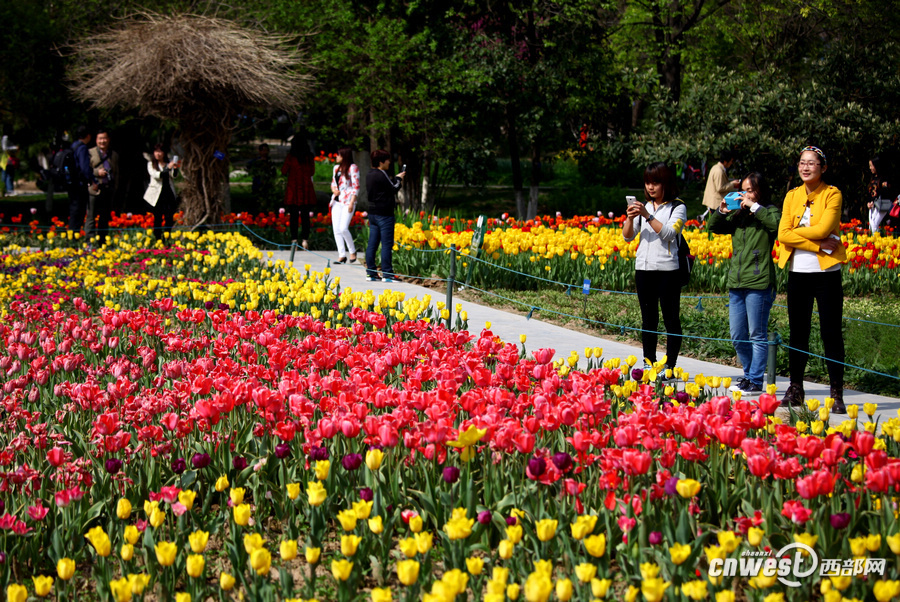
(631, 200)
(403, 168)
(733, 200)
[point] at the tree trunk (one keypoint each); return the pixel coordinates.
(203, 136)
(535, 179)
(512, 137)
(670, 73)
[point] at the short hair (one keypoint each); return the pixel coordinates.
(727, 155)
(379, 156)
(660, 173)
(103, 131)
(82, 132)
(263, 146)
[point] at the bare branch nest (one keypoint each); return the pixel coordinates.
(169, 66)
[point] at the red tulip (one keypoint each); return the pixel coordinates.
(56, 457)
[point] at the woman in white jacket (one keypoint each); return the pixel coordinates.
(161, 191)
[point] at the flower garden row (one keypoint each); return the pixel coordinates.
(562, 250)
(184, 423)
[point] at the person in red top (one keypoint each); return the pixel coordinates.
(300, 195)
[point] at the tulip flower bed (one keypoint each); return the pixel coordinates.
(169, 453)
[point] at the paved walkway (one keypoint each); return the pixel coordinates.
(509, 326)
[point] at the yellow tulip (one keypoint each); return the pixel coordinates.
(595, 545)
(288, 549)
(407, 571)
(157, 517)
(315, 493)
(600, 587)
(585, 572)
(138, 583)
(341, 569)
(186, 498)
(416, 524)
(459, 528)
(474, 565)
(253, 541)
(381, 594)
(374, 458)
(42, 585)
(695, 590)
(182, 597)
(505, 549)
(237, 495)
(222, 483)
(514, 533)
(424, 541)
(853, 411)
(884, 591)
(16, 593)
(363, 509)
(123, 509)
(65, 568)
(376, 525)
(754, 536)
(538, 587)
(725, 595)
(564, 590)
(127, 552)
(649, 570)
(654, 589)
(226, 582)
(121, 589)
(165, 553)
(347, 519)
(242, 514)
(323, 467)
(687, 488)
(870, 409)
(546, 529)
(312, 555)
(132, 534)
(198, 540)
(408, 547)
(512, 591)
(261, 561)
(293, 490)
(728, 540)
(100, 540)
(679, 553)
(195, 565)
(349, 543)
(894, 543)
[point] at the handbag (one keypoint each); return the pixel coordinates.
(685, 260)
(883, 204)
(895, 211)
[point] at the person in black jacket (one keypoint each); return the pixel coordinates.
(382, 190)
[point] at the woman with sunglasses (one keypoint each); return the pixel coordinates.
(811, 248)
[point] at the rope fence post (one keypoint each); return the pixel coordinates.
(772, 351)
(293, 250)
(450, 280)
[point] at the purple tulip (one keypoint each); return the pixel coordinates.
(282, 450)
(840, 520)
(512, 521)
(352, 461)
(451, 474)
(682, 397)
(318, 453)
(655, 538)
(562, 461)
(2, 557)
(537, 466)
(239, 463)
(366, 494)
(2, 506)
(179, 465)
(113, 465)
(209, 305)
(201, 461)
(484, 517)
(670, 486)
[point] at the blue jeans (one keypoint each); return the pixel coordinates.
(748, 314)
(7, 179)
(381, 230)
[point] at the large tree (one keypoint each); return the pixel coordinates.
(199, 71)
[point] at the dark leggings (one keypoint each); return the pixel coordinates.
(826, 290)
(301, 212)
(660, 290)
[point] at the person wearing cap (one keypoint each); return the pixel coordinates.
(810, 247)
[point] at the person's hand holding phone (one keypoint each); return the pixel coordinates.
(723, 208)
(635, 209)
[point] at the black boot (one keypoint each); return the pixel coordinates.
(837, 394)
(793, 397)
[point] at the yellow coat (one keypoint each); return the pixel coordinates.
(824, 219)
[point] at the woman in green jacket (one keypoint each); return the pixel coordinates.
(751, 277)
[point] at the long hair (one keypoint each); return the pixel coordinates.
(759, 183)
(660, 173)
(159, 147)
(346, 154)
(300, 149)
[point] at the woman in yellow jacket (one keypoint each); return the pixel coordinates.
(811, 248)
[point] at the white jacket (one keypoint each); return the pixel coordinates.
(155, 187)
(658, 252)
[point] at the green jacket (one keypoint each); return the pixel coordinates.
(752, 238)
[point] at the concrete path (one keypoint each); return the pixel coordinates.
(540, 334)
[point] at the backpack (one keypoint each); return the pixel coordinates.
(685, 260)
(63, 169)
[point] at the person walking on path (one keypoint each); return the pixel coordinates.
(160, 192)
(300, 194)
(344, 190)
(751, 276)
(80, 180)
(382, 190)
(718, 184)
(811, 248)
(659, 220)
(105, 169)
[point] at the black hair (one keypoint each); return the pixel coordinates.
(660, 173)
(300, 149)
(81, 132)
(759, 183)
(346, 154)
(727, 155)
(379, 156)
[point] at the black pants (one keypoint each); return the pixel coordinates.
(78, 200)
(826, 290)
(301, 212)
(99, 207)
(164, 209)
(660, 290)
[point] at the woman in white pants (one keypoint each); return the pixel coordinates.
(344, 190)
